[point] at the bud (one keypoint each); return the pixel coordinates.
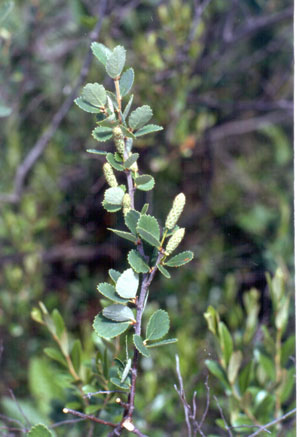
(174, 241)
(126, 204)
(119, 140)
(176, 211)
(109, 175)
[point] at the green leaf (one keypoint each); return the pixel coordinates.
(164, 271)
(107, 328)
(96, 152)
(266, 363)
(138, 342)
(114, 195)
(245, 377)
(94, 94)
(115, 62)
(109, 291)
(123, 234)
(148, 229)
(5, 10)
(126, 81)
(85, 106)
(148, 186)
(128, 284)
(117, 382)
(118, 313)
(149, 128)
(76, 355)
(131, 220)
(131, 160)
(110, 207)
(55, 355)
(128, 107)
(142, 180)
(102, 133)
(126, 132)
(39, 430)
(114, 274)
(137, 262)
(110, 158)
(180, 259)
(58, 322)
(234, 366)
(287, 384)
(163, 342)
(101, 52)
(145, 208)
(225, 342)
(288, 349)
(126, 370)
(113, 98)
(212, 318)
(217, 371)
(158, 325)
(140, 117)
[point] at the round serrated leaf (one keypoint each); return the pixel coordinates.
(118, 313)
(158, 325)
(112, 161)
(128, 284)
(149, 128)
(131, 160)
(110, 207)
(107, 328)
(138, 342)
(140, 116)
(126, 81)
(109, 291)
(137, 262)
(39, 430)
(180, 259)
(126, 235)
(117, 382)
(149, 224)
(101, 52)
(146, 186)
(115, 62)
(164, 271)
(114, 274)
(163, 342)
(114, 195)
(131, 220)
(85, 106)
(102, 133)
(95, 94)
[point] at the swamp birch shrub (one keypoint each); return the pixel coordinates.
(126, 292)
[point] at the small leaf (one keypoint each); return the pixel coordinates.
(126, 81)
(39, 430)
(115, 62)
(145, 208)
(149, 128)
(217, 371)
(101, 52)
(110, 207)
(164, 271)
(158, 325)
(148, 229)
(140, 117)
(96, 152)
(108, 329)
(76, 355)
(118, 313)
(163, 342)
(128, 107)
(126, 235)
(148, 186)
(131, 220)
(131, 160)
(245, 377)
(225, 342)
(102, 133)
(114, 195)
(111, 159)
(138, 342)
(212, 318)
(109, 291)
(55, 355)
(114, 274)
(94, 94)
(144, 179)
(127, 284)
(85, 106)
(234, 366)
(58, 322)
(137, 262)
(180, 259)
(126, 370)
(117, 382)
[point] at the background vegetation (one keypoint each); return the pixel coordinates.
(218, 75)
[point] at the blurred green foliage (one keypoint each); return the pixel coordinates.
(220, 82)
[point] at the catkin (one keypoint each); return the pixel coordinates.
(175, 240)
(119, 140)
(109, 175)
(175, 211)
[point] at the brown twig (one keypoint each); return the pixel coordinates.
(88, 417)
(41, 144)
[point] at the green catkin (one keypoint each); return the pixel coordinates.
(175, 240)
(109, 175)
(119, 140)
(126, 204)
(175, 211)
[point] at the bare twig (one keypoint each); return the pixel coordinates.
(19, 407)
(88, 417)
(274, 422)
(223, 417)
(181, 394)
(41, 144)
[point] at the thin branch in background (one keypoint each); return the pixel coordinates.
(274, 422)
(65, 422)
(15, 421)
(223, 417)
(41, 144)
(207, 404)
(182, 396)
(102, 392)
(19, 407)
